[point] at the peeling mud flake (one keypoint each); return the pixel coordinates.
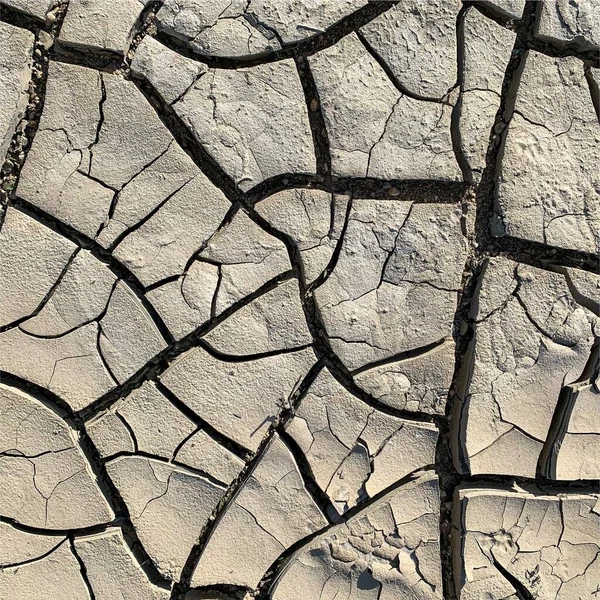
(525, 544)
(388, 550)
(578, 445)
(511, 9)
(69, 366)
(420, 383)
(34, 8)
(170, 73)
(128, 337)
(271, 511)
(273, 322)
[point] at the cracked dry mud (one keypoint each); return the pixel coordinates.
(299, 300)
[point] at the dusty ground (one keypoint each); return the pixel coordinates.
(299, 299)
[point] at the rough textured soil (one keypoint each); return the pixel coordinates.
(299, 300)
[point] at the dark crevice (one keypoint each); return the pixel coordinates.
(252, 461)
(17, 18)
(91, 530)
(27, 127)
(105, 485)
(100, 253)
(521, 591)
(455, 130)
(542, 256)
(35, 559)
(315, 117)
(167, 461)
(420, 191)
(160, 363)
(324, 276)
(238, 358)
(403, 90)
(129, 429)
(82, 569)
(203, 425)
(400, 357)
(305, 47)
(45, 299)
(263, 590)
(319, 497)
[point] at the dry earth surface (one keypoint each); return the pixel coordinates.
(299, 300)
